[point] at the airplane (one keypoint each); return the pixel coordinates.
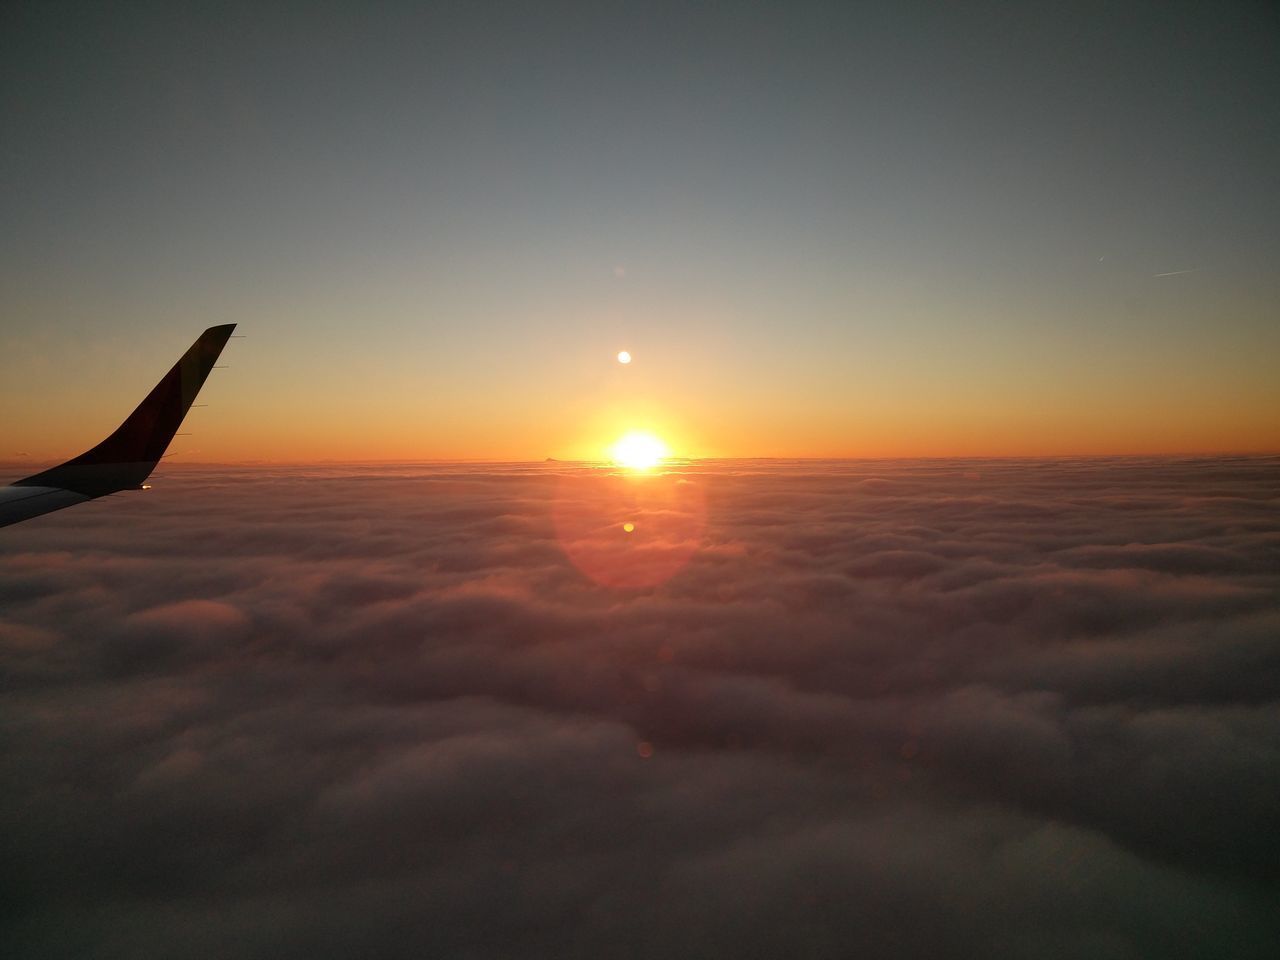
(125, 459)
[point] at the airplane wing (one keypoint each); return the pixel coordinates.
(126, 458)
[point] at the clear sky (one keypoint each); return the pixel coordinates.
(821, 229)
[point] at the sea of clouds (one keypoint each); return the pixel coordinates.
(847, 709)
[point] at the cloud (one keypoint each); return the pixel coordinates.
(902, 709)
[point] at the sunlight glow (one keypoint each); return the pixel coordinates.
(624, 356)
(639, 451)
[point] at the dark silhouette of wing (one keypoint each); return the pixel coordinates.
(126, 458)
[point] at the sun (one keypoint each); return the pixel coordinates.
(639, 451)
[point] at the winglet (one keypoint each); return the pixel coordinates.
(127, 457)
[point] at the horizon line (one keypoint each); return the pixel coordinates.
(27, 464)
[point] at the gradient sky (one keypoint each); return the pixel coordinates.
(822, 229)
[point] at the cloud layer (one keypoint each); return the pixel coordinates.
(886, 709)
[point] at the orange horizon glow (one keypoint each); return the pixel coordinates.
(265, 407)
(226, 439)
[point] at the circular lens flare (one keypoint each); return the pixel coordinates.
(629, 530)
(639, 451)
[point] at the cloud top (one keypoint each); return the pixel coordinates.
(914, 708)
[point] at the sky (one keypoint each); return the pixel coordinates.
(822, 230)
(901, 709)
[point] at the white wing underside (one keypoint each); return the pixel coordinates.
(23, 503)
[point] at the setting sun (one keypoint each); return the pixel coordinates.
(639, 451)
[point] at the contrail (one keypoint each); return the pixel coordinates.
(1176, 273)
